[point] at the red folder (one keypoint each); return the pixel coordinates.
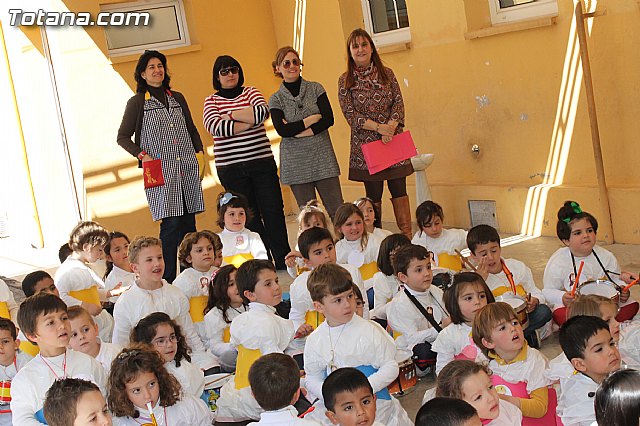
(380, 156)
(152, 173)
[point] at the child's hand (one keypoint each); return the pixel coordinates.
(92, 308)
(483, 268)
(624, 296)
(512, 399)
(115, 291)
(303, 331)
(445, 322)
(627, 277)
(532, 304)
(567, 299)
(290, 259)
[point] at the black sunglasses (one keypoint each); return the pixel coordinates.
(225, 71)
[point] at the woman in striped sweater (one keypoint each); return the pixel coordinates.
(234, 116)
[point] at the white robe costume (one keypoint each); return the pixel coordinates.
(6, 375)
(108, 352)
(242, 242)
(193, 284)
(116, 276)
(189, 411)
(452, 341)
(215, 325)
(287, 416)
(522, 277)
(450, 240)
(351, 253)
(384, 287)
(575, 406)
(191, 378)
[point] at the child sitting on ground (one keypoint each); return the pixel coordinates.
(238, 243)
(77, 283)
(85, 339)
(275, 383)
(163, 334)
(346, 340)
(75, 402)
(518, 370)
(11, 361)
(589, 346)
(510, 279)
(618, 398)
(349, 398)
(38, 281)
(577, 230)
(151, 293)
(224, 304)
(471, 382)
(43, 319)
(197, 254)
(141, 391)
(317, 248)
(418, 311)
(118, 272)
(372, 214)
(463, 299)
(439, 241)
(257, 332)
(447, 412)
(385, 282)
(310, 216)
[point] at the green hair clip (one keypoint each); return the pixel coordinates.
(576, 209)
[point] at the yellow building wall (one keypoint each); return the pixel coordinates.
(515, 95)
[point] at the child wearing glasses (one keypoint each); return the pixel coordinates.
(161, 332)
(301, 114)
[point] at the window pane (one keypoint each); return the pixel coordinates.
(383, 15)
(163, 28)
(509, 3)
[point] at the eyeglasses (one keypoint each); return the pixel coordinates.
(225, 71)
(295, 62)
(163, 341)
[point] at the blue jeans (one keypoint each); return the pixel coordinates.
(258, 181)
(540, 316)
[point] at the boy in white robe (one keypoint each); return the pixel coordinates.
(588, 344)
(151, 293)
(44, 320)
(75, 402)
(11, 361)
(346, 340)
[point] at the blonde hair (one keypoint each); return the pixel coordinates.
(450, 379)
(589, 305)
(343, 213)
(310, 210)
(486, 319)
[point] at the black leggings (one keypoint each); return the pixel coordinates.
(397, 188)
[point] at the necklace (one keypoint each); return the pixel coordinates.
(332, 364)
(63, 368)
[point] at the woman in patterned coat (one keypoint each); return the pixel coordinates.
(164, 129)
(371, 102)
(301, 114)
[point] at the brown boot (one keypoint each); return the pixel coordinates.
(378, 208)
(402, 211)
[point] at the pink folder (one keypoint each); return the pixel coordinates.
(380, 156)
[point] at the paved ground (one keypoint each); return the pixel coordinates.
(16, 260)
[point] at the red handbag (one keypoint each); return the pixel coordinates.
(152, 173)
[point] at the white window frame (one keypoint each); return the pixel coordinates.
(386, 38)
(536, 9)
(142, 6)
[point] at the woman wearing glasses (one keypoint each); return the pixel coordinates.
(371, 101)
(235, 115)
(301, 114)
(164, 129)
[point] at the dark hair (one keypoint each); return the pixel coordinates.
(406, 254)
(145, 332)
(328, 279)
(576, 332)
(350, 80)
(360, 202)
(61, 401)
(451, 294)
(357, 293)
(126, 367)
(274, 380)
(35, 306)
(617, 400)
(7, 324)
(32, 279)
(107, 249)
(218, 297)
(481, 234)
(310, 237)
(343, 213)
(141, 66)
(87, 232)
(569, 212)
(225, 61)
(346, 379)
(280, 55)
(445, 411)
(231, 199)
(388, 249)
(449, 381)
(485, 321)
(426, 211)
(64, 251)
(184, 251)
(247, 275)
